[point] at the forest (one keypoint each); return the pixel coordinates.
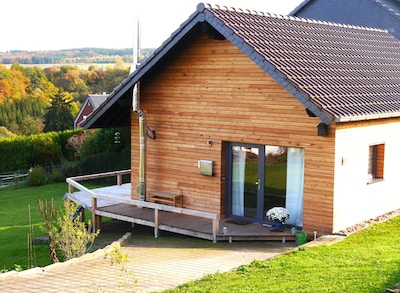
(70, 56)
(35, 99)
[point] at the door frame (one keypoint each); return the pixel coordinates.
(260, 192)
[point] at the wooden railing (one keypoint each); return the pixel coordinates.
(7, 180)
(73, 183)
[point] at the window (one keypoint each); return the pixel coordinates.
(376, 162)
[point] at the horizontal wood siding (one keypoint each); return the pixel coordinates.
(212, 91)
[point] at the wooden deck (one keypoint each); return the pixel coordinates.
(194, 226)
(115, 202)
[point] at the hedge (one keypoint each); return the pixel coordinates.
(24, 152)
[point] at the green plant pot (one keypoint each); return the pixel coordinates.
(301, 237)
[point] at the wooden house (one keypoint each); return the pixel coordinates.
(383, 14)
(89, 105)
(240, 111)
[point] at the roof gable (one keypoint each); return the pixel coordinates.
(338, 72)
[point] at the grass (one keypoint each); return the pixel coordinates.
(14, 224)
(367, 261)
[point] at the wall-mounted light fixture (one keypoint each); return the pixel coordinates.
(209, 142)
(322, 129)
(151, 134)
(117, 137)
(310, 113)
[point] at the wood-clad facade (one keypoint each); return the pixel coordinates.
(290, 112)
(210, 91)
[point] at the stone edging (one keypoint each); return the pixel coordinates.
(100, 252)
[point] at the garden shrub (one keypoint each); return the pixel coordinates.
(57, 175)
(68, 235)
(37, 176)
(103, 140)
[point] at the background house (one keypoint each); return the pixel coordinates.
(89, 105)
(253, 110)
(383, 14)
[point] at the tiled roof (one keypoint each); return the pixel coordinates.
(346, 72)
(339, 72)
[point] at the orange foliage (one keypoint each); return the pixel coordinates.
(5, 90)
(13, 84)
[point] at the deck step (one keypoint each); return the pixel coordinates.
(270, 237)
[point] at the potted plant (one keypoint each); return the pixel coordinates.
(277, 215)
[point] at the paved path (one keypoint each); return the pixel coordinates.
(153, 265)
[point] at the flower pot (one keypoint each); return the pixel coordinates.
(301, 237)
(277, 226)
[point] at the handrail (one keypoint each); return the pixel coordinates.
(100, 175)
(79, 186)
(95, 176)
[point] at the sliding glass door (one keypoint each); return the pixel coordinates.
(262, 177)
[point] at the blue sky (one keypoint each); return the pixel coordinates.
(61, 24)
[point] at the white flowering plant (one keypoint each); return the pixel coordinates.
(277, 214)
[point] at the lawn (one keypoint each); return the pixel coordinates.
(367, 261)
(14, 224)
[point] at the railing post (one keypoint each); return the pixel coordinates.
(215, 229)
(156, 222)
(119, 179)
(70, 188)
(95, 218)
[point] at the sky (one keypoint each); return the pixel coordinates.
(67, 24)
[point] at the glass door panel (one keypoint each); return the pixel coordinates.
(246, 181)
(275, 170)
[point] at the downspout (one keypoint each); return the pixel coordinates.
(141, 187)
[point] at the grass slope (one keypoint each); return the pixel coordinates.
(367, 261)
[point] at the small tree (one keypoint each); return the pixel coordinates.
(59, 116)
(47, 213)
(69, 235)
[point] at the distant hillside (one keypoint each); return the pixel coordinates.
(70, 56)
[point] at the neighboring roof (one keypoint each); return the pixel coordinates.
(339, 72)
(390, 6)
(384, 14)
(95, 101)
